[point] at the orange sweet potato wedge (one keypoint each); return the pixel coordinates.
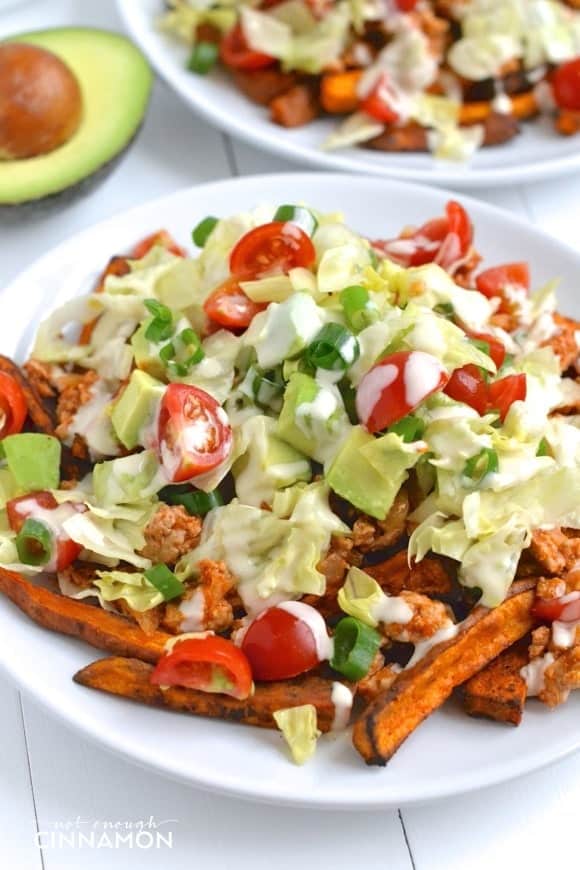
(97, 627)
(498, 692)
(131, 678)
(395, 714)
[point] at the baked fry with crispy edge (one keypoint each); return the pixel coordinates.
(95, 626)
(499, 691)
(395, 714)
(131, 678)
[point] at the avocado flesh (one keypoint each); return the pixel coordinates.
(115, 82)
(135, 409)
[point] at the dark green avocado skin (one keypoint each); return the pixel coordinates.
(46, 205)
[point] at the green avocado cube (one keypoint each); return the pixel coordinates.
(136, 408)
(33, 460)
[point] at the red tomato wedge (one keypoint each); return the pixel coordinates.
(406, 5)
(209, 664)
(13, 407)
(194, 435)
(492, 282)
(496, 347)
(566, 85)
(237, 54)
(279, 644)
(161, 237)
(272, 249)
(229, 306)
(565, 609)
(381, 101)
(444, 241)
(506, 391)
(395, 386)
(34, 505)
(468, 385)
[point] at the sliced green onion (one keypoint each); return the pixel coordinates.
(203, 231)
(375, 259)
(165, 581)
(268, 389)
(507, 363)
(34, 543)
(297, 214)
(482, 345)
(410, 428)
(355, 646)
(179, 359)
(203, 58)
(484, 463)
(543, 448)
(195, 502)
(358, 308)
(161, 325)
(445, 309)
(348, 393)
(334, 348)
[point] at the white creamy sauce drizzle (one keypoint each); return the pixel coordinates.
(424, 646)
(564, 633)
(321, 408)
(342, 698)
(193, 610)
(533, 673)
(92, 422)
(391, 608)
(316, 624)
(422, 373)
(371, 387)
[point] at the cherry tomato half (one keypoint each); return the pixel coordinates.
(161, 237)
(556, 609)
(506, 391)
(194, 434)
(229, 306)
(209, 664)
(236, 53)
(33, 505)
(492, 282)
(380, 102)
(395, 386)
(13, 407)
(443, 240)
(566, 85)
(496, 347)
(468, 385)
(406, 5)
(271, 249)
(280, 645)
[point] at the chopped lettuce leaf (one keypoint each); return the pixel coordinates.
(299, 728)
(134, 588)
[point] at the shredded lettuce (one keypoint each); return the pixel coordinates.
(134, 588)
(299, 728)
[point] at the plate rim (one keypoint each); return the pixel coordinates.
(131, 14)
(78, 717)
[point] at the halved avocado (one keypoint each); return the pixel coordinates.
(115, 82)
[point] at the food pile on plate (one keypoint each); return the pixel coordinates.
(302, 478)
(399, 75)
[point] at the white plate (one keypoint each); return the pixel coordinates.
(450, 753)
(538, 152)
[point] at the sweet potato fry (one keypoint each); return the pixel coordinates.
(499, 691)
(37, 412)
(338, 93)
(131, 678)
(428, 576)
(97, 627)
(395, 714)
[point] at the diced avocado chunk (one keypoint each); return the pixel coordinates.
(147, 354)
(136, 408)
(268, 464)
(8, 487)
(288, 328)
(368, 472)
(33, 460)
(313, 418)
(127, 479)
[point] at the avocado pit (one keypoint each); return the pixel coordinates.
(41, 103)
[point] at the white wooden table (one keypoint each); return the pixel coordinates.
(51, 778)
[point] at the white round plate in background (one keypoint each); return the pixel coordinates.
(538, 152)
(448, 754)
